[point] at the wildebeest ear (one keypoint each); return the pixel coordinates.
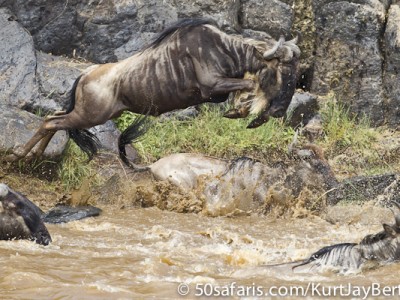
(389, 230)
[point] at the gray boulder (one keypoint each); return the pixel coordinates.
(348, 56)
(274, 17)
(391, 76)
(108, 135)
(17, 63)
(18, 126)
(55, 76)
(303, 107)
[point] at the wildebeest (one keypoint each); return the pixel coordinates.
(245, 184)
(191, 62)
(20, 218)
(382, 247)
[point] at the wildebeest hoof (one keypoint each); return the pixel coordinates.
(254, 124)
(232, 114)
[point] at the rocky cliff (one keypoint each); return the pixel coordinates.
(349, 47)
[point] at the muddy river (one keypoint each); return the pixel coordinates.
(140, 253)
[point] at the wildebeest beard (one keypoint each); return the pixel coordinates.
(271, 95)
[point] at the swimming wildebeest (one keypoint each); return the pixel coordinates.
(380, 248)
(20, 218)
(246, 184)
(191, 62)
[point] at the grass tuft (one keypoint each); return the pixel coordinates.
(213, 135)
(74, 167)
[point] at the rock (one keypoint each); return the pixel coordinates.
(224, 12)
(314, 128)
(348, 56)
(274, 17)
(108, 135)
(64, 214)
(391, 75)
(303, 107)
(381, 188)
(19, 126)
(56, 75)
(17, 63)
(180, 115)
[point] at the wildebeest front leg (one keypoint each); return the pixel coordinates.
(227, 85)
(261, 119)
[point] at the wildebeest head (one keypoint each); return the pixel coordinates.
(275, 83)
(20, 218)
(384, 245)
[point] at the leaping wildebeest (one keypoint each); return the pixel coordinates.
(189, 63)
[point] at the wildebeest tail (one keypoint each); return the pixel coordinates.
(85, 140)
(138, 128)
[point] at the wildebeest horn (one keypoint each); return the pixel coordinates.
(270, 54)
(3, 190)
(294, 40)
(292, 44)
(396, 213)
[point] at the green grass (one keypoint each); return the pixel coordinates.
(343, 130)
(74, 167)
(351, 141)
(213, 135)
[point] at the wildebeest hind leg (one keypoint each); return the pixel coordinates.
(46, 132)
(38, 151)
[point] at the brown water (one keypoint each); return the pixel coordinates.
(139, 253)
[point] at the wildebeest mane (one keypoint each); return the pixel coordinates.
(374, 238)
(239, 163)
(179, 25)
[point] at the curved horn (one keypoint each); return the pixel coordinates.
(269, 54)
(3, 190)
(294, 40)
(292, 44)
(396, 213)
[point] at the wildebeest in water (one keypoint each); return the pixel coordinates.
(380, 248)
(191, 62)
(20, 218)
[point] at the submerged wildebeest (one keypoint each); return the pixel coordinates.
(245, 184)
(374, 249)
(191, 62)
(20, 218)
